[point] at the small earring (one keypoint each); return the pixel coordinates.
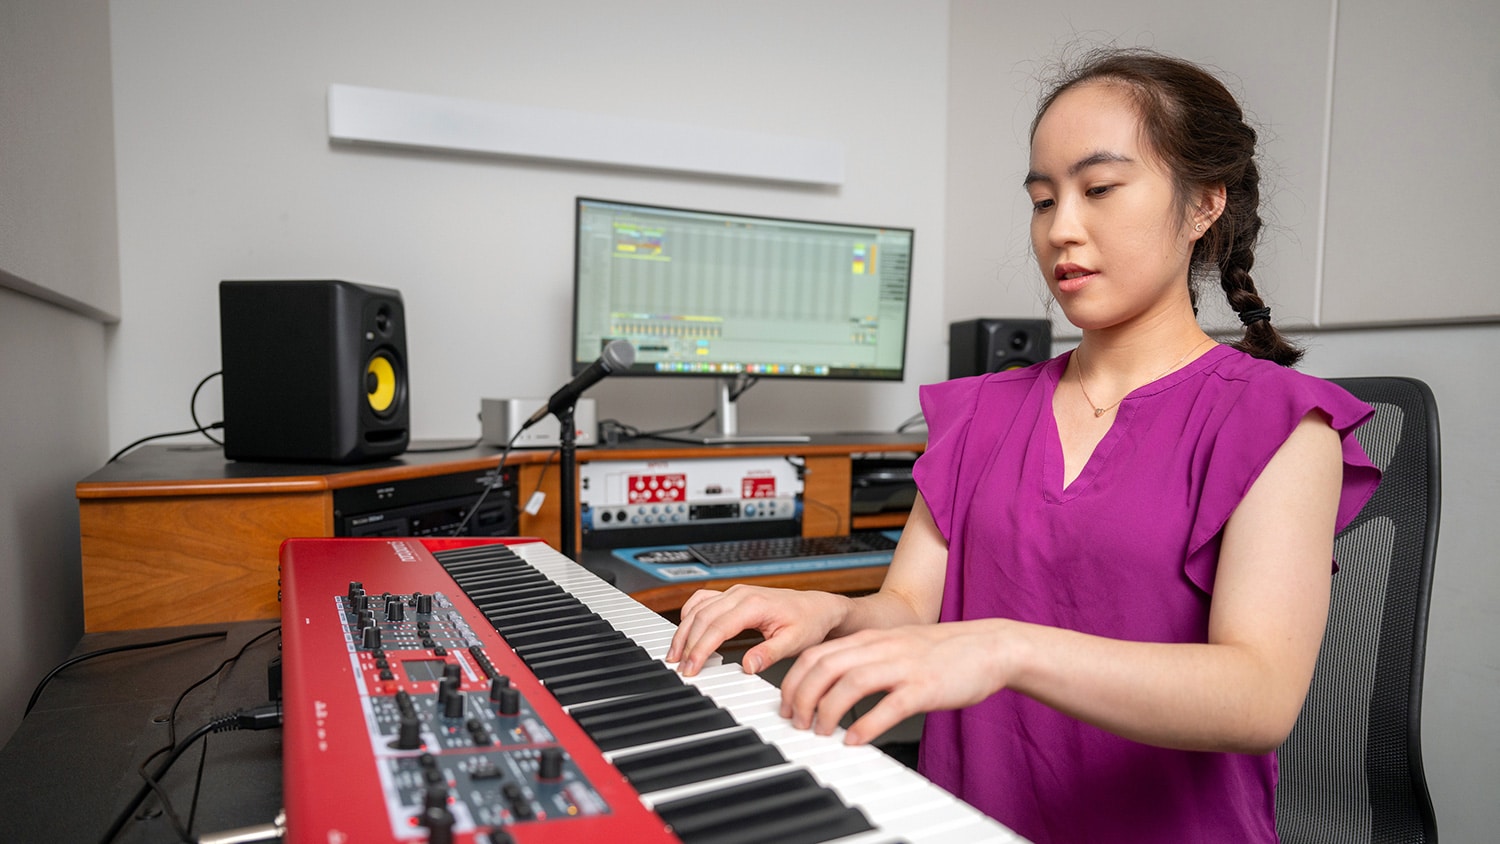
(1198, 228)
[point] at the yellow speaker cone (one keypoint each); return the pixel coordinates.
(380, 383)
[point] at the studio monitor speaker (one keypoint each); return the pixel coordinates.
(977, 346)
(313, 371)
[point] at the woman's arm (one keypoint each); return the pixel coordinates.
(1241, 691)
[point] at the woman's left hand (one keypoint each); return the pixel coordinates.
(921, 668)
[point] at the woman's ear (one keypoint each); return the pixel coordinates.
(1208, 208)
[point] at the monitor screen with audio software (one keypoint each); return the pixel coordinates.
(731, 296)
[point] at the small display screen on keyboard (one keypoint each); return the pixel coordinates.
(791, 547)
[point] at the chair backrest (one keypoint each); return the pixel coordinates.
(1351, 770)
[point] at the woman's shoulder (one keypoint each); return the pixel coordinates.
(1260, 377)
(1271, 390)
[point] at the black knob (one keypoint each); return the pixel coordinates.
(436, 795)
(355, 588)
(454, 708)
(395, 610)
(510, 701)
(447, 688)
(424, 604)
(439, 823)
(409, 734)
(365, 618)
(452, 670)
(550, 765)
(498, 685)
(372, 638)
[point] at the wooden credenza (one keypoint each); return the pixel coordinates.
(176, 535)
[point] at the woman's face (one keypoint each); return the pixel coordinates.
(1111, 240)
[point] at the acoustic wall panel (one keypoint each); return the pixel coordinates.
(396, 118)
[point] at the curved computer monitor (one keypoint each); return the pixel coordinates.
(716, 295)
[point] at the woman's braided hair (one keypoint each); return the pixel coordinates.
(1195, 125)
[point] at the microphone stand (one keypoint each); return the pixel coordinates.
(568, 469)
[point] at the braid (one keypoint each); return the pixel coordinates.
(1233, 238)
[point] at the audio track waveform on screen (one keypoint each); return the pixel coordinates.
(706, 293)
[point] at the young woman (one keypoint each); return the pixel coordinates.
(1111, 590)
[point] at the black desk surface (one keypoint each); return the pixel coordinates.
(71, 767)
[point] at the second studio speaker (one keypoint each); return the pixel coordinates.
(314, 371)
(977, 346)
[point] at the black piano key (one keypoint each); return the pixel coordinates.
(517, 612)
(619, 655)
(604, 672)
(557, 649)
(540, 620)
(600, 685)
(790, 808)
(663, 727)
(477, 555)
(573, 629)
(639, 707)
(697, 761)
(514, 592)
(479, 573)
(607, 711)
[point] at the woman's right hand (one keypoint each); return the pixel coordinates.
(791, 620)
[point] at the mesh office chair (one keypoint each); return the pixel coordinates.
(1351, 770)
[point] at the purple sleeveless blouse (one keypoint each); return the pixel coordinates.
(1128, 551)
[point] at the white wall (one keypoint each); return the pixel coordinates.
(225, 171)
(1000, 61)
(57, 281)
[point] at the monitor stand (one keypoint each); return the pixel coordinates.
(729, 422)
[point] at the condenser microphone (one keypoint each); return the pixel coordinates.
(617, 355)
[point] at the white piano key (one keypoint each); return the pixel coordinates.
(902, 804)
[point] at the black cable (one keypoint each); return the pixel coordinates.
(664, 432)
(743, 384)
(139, 646)
(199, 427)
(630, 432)
(185, 831)
(197, 790)
(214, 427)
(172, 716)
(800, 465)
(556, 452)
(193, 408)
(261, 717)
(499, 479)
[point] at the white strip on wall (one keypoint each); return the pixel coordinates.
(394, 118)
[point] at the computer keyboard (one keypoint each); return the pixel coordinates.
(790, 547)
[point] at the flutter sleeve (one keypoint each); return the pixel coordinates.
(949, 410)
(1252, 431)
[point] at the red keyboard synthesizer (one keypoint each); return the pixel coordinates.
(487, 691)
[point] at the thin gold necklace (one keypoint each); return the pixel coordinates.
(1100, 411)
